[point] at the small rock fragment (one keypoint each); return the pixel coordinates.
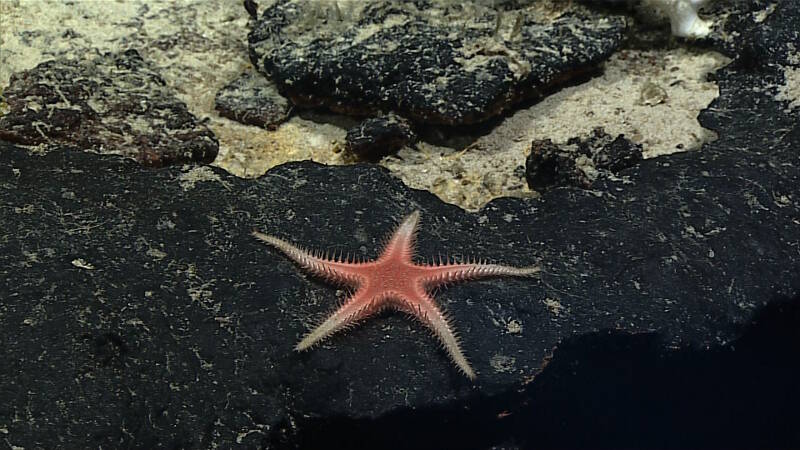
(253, 100)
(112, 104)
(379, 136)
(579, 162)
(652, 94)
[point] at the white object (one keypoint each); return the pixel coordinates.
(683, 17)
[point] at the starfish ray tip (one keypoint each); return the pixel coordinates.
(303, 345)
(469, 373)
(528, 271)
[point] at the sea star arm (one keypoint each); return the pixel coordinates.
(316, 264)
(401, 242)
(446, 274)
(353, 310)
(428, 313)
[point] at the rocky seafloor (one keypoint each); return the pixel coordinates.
(137, 310)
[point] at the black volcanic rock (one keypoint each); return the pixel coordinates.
(137, 311)
(253, 100)
(757, 32)
(447, 63)
(110, 103)
(379, 136)
(580, 161)
(126, 312)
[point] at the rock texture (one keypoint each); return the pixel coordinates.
(253, 100)
(137, 310)
(436, 62)
(379, 136)
(110, 103)
(580, 162)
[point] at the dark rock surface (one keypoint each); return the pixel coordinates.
(137, 311)
(759, 33)
(579, 162)
(111, 103)
(379, 136)
(165, 323)
(614, 390)
(253, 100)
(436, 62)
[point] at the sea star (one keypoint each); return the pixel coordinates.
(391, 281)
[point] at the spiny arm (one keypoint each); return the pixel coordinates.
(450, 273)
(352, 311)
(430, 315)
(336, 270)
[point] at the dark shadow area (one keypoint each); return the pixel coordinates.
(614, 390)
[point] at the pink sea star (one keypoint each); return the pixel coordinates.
(391, 281)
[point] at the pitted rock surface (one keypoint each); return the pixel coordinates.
(110, 103)
(433, 62)
(579, 162)
(253, 100)
(379, 136)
